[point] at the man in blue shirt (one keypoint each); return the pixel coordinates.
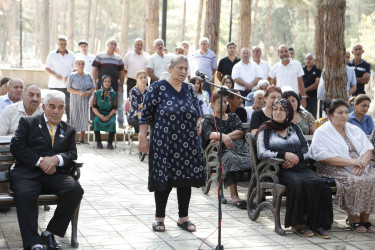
(361, 67)
(15, 88)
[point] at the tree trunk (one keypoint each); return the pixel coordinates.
(199, 24)
(183, 23)
(124, 27)
(87, 31)
(53, 24)
(268, 31)
(44, 34)
(105, 34)
(253, 28)
(71, 25)
(93, 27)
(212, 23)
(334, 73)
(36, 31)
(12, 31)
(63, 9)
(307, 18)
(319, 37)
(152, 23)
(245, 23)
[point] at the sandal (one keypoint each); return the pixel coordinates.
(78, 142)
(241, 204)
(303, 231)
(185, 225)
(367, 225)
(354, 227)
(158, 224)
(321, 233)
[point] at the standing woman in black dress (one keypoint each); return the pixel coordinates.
(172, 109)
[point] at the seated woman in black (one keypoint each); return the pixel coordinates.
(308, 200)
(236, 154)
(259, 116)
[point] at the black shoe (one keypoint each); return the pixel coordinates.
(50, 242)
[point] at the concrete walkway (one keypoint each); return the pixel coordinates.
(117, 212)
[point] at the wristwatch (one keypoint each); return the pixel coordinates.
(303, 96)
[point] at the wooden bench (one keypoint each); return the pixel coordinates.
(265, 182)
(7, 198)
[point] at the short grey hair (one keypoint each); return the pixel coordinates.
(258, 92)
(28, 86)
(111, 40)
(184, 42)
(15, 80)
(245, 48)
(204, 39)
(62, 38)
(263, 82)
(310, 54)
(256, 47)
(138, 39)
(177, 59)
(355, 45)
(54, 94)
(158, 41)
(282, 46)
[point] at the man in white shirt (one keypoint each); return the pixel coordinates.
(246, 73)
(263, 65)
(29, 106)
(84, 54)
(158, 62)
(60, 63)
(15, 88)
(288, 72)
(134, 61)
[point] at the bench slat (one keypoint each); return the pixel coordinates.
(5, 166)
(5, 149)
(6, 157)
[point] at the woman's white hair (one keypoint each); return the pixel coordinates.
(177, 59)
(54, 94)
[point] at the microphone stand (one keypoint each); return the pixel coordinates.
(224, 91)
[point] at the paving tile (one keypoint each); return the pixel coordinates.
(117, 212)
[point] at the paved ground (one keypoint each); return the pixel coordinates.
(117, 212)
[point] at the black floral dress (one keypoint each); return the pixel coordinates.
(175, 154)
(236, 158)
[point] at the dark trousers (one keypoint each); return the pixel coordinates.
(110, 136)
(26, 193)
(312, 105)
(67, 102)
(130, 83)
(183, 197)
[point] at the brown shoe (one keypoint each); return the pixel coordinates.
(302, 231)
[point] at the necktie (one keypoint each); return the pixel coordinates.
(52, 132)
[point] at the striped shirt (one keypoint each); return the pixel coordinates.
(110, 65)
(205, 63)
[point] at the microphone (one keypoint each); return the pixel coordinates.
(202, 75)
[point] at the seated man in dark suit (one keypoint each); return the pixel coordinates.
(44, 148)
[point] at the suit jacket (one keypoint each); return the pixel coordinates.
(32, 141)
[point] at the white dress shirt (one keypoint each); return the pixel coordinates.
(287, 75)
(247, 72)
(61, 65)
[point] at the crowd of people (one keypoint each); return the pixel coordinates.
(180, 112)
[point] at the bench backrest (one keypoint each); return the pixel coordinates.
(253, 149)
(6, 158)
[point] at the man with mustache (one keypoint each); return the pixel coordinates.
(44, 149)
(29, 106)
(288, 72)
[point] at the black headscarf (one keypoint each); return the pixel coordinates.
(106, 90)
(276, 126)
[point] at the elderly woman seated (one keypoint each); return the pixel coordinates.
(308, 198)
(304, 119)
(236, 154)
(343, 153)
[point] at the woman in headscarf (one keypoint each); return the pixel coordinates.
(308, 199)
(104, 107)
